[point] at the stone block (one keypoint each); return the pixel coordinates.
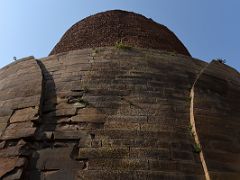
(7, 165)
(121, 125)
(149, 153)
(18, 130)
(57, 159)
(63, 112)
(23, 115)
(96, 153)
(116, 134)
(11, 151)
(68, 135)
(117, 164)
(89, 115)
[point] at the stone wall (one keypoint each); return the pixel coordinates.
(109, 113)
(217, 116)
(20, 99)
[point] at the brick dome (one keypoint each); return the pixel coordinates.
(105, 29)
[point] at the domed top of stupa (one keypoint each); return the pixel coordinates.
(107, 28)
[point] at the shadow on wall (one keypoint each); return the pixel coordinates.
(43, 136)
(103, 94)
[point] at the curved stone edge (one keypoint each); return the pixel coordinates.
(86, 59)
(21, 89)
(216, 111)
(81, 32)
(232, 80)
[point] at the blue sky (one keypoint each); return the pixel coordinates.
(208, 28)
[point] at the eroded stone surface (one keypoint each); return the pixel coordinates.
(128, 28)
(217, 112)
(7, 164)
(23, 115)
(133, 121)
(20, 93)
(129, 117)
(18, 131)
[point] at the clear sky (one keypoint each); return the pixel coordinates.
(208, 28)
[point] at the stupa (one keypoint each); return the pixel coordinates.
(119, 97)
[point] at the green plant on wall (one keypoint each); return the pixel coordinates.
(197, 148)
(121, 45)
(190, 130)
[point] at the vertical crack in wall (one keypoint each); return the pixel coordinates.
(21, 146)
(41, 66)
(45, 141)
(193, 126)
(38, 144)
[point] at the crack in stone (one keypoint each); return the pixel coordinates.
(193, 125)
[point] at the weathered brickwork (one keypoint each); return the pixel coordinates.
(108, 113)
(20, 99)
(217, 113)
(117, 26)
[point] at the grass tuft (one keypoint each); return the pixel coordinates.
(121, 45)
